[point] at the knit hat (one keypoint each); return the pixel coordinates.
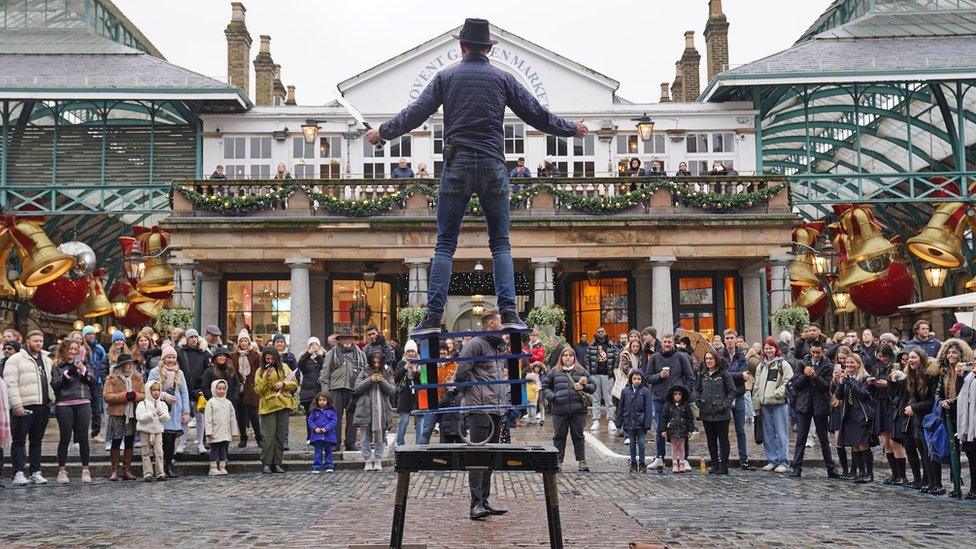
(314, 340)
(243, 335)
(276, 337)
(167, 351)
(14, 344)
(410, 345)
(956, 327)
(191, 333)
(89, 329)
(118, 336)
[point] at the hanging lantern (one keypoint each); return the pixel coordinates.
(96, 303)
(61, 295)
(41, 262)
(822, 265)
(841, 300)
(935, 275)
(120, 307)
(133, 260)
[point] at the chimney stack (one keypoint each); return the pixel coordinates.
(279, 88)
(665, 95)
(290, 98)
(716, 39)
(238, 49)
(264, 72)
(677, 90)
(690, 70)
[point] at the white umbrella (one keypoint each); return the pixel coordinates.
(961, 301)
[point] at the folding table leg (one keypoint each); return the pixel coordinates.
(400, 509)
(552, 510)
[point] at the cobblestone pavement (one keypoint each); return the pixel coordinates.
(600, 509)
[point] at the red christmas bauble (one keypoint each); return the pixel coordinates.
(61, 295)
(883, 296)
(135, 319)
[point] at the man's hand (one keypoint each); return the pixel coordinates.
(665, 374)
(581, 129)
(20, 411)
(809, 371)
(373, 136)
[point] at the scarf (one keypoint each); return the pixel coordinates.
(130, 407)
(169, 377)
(376, 424)
(243, 364)
(966, 410)
(5, 438)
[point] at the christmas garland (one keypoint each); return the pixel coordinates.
(599, 205)
(236, 204)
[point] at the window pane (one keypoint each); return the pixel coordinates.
(659, 144)
(695, 291)
(368, 150)
(730, 305)
(604, 303)
(354, 306)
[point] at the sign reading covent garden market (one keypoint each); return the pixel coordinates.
(515, 62)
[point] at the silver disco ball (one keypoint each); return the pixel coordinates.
(84, 259)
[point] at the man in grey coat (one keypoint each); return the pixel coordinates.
(340, 369)
(483, 427)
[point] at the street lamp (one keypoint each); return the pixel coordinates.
(369, 276)
(478, 304)
(645, 127)
(936, 275)
(592, 273)
(821, 264)
(120, 307)
(841, 300)
(478, 267)
(310, 130)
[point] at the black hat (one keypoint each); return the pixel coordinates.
(345, 332)
(124, 359)
(15, 345)
(220, 351)
(476, 32)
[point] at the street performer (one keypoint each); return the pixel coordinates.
(474, 95)
(483, 427)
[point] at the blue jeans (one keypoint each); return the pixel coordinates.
(322, 455)
(466, 174)
(739, 418)
(657, 406)
(427, 428)
(636, 445)
(776, 441)
(404, 423)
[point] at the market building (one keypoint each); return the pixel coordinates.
(300, 266)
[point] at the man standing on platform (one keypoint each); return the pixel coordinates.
(482, 427)
(474, 94)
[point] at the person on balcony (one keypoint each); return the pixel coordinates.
(403, 170)
(682, 170)
(218, 172)
(547, 168)
(282, 172)
(422, 172)
(634, 168)
(474, 94)
(520, 170)
(657, 170)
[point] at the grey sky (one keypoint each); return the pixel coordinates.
(322, 42)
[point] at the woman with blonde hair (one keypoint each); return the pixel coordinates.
(922, 381)
(952, 359)
(856, 403)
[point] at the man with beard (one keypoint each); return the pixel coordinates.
(601, 359)
(340, 370)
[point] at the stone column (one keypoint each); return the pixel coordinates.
(545, 289)
(301, 313)
(318, 307)
(662, 312)
(417, 281)
(642, 299)
(183, 283)
(779, 277)
(752, 309)
(210, 303)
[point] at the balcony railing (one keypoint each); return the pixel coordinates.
(418, 197)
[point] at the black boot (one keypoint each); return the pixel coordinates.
(867, 460)
(713, 467)
(842, 460)
(168, 470)
(633, 467)
(723, 468)
(852, 473)
(894, 469)
(243, 442)
(901, 479)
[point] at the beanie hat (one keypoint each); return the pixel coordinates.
(243, 335)
(167, 351)
(314, 340)
(118, 336)
(14, 344)
(410, 345)
(89, 329)
(191, 333)
(276, 337)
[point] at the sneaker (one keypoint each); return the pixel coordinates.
(437, 428)
(627, 441)
(330, 470)
(192, 424)
(97, 439)
(781, 469)
(596, 425)
(201, 449)
(511, 321)
(539, 415)
(86, 476)
(63, 477)
(583, 467)
(75, 446)
(108, 445)
(809, 442)
(658, 462)
(685, 466)
(316, 470)
(377, 465)
(431, 324)
(612, 426)
(20, 479)
(769, 467)
(180, 446)
(368, 466)
(37, 478)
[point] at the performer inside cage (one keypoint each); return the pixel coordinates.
(474, 95)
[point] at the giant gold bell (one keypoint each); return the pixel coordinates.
(150, 308)
(808, 297)
(849, 274)
(96, 302)
(42, 262)
(940, 241)
(6, 244)
(803, 272)
(158, 276)
(866, 240)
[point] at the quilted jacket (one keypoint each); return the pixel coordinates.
(474, 94)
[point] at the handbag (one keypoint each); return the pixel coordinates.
(584, 396)
(201, 403)
(757, 430)
(936, 435)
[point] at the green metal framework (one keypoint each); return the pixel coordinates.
(101, 17)
(844, 11)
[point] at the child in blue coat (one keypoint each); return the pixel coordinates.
(321, 426)
(634, 417)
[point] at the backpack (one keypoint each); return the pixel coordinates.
(936, 435)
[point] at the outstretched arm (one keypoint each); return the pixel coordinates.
(415, 113)
(528, 108)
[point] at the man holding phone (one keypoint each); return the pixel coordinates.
(811, 384)
(29, 392)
